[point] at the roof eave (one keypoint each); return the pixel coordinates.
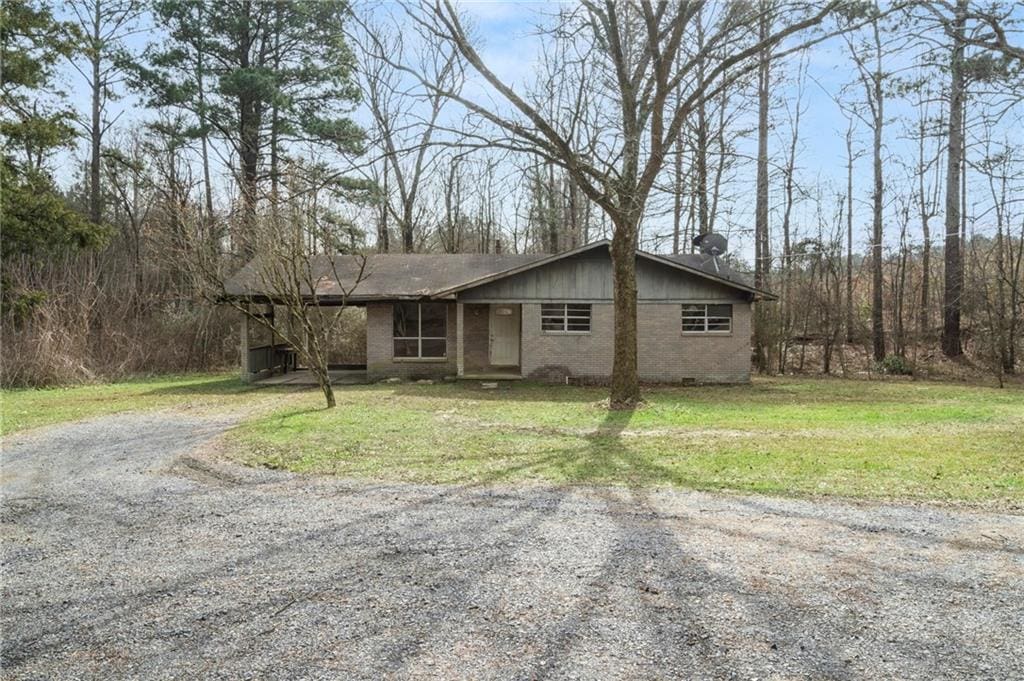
(263, 297)
(756, 292)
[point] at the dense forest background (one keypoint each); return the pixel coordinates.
(869, 168)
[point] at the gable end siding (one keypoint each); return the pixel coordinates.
(588, 277)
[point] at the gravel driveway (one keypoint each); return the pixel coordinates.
(125, 556)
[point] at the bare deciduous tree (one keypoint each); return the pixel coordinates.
(289, 275)
(628, 94)
(405, 119)
(762, 238)
(954, 273)
(105, 24)
(868, 57)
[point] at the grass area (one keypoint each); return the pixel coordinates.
(872, 439)
(30, 408)
(791, 436)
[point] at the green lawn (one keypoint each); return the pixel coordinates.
(790, 436)
(21, 409)
(877, 439)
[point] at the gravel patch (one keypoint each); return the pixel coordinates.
(126, 555)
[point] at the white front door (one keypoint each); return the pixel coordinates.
(504, 335)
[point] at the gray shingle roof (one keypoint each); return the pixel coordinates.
(705, 263)
(387, 275)
(394, 275)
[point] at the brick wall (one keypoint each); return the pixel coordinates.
(476, 340)
(664, 353)
(379, 350)
(551, 357)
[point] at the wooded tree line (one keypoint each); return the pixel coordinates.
(388, 128)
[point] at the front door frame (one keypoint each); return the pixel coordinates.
(517, 314)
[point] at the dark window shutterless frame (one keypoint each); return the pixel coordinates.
(565, 318)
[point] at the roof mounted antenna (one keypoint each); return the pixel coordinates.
(712, 244)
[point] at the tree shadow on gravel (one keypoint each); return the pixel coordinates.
(319, 579)
(666, 595)
(391, 551)
(823, 512)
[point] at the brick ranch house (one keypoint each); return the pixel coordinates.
(543, 317)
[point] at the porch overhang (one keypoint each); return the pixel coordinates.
(491, 361)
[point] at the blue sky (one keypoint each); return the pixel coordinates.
(505, 30)
(510, 49)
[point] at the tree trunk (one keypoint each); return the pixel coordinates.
(275, 160)
(954, 279)
(408, 245)
(723, 154)
(573, 207)
(311, 348)
(689, 227)
(926, 259)
(326, 388)
(702, 171)
(900, 341)
(451, 209)
(205, 134)
(924, 213)
(701, 156)
(319, 368)
(625, 392)
(382, 236)
(849, 234)
(96, 128)
(249, 158)
(408, 241)
(877, 323)
(249, 137)
(787, 246)
(762, 255)
(677, 198)
(1005, 358)
(275, 123)
(553, 221)
(1016, 291)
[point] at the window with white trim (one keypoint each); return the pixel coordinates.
(701, 318)
(420, 330)
(565, 317)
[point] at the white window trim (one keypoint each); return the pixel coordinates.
(419, 338)
(564, 331)
(706, 319)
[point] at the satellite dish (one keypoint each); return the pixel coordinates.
(711, 244)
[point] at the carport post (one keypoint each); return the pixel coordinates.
(243, 348)
(459, 344)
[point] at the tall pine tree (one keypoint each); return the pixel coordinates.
(259, 76)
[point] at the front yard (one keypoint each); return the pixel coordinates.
(871, 439)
